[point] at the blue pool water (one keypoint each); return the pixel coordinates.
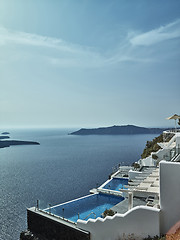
(96, 203)
(116, 184)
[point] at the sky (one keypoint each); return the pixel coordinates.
(89, 63)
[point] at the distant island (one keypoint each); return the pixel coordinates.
(118, 130)
(7, 143)
(5, 133)
(4, 137)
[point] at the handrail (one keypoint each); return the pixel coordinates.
(89, 215)
(175, 158)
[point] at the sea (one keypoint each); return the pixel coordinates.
(63, 167)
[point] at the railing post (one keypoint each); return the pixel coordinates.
(63, 212)
(49, 208)
(37, 206)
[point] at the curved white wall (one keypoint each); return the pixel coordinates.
(139, 222)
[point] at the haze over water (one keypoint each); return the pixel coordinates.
(61, 168)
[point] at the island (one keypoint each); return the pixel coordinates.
(4, 137)
(8, 143)
(5, 133)
(118, 130)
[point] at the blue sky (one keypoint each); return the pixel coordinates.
(89, 63)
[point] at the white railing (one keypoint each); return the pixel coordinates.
(55, 216)
(90, 215)
(172, 130)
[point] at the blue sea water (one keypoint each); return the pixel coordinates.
(61, 168)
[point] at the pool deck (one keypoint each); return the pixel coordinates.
(141, 187)
(150, 183)
(122, 207)
(122, 172)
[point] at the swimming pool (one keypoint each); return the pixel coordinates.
(116, 184)
(91, 206)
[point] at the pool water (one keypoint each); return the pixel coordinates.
(91, 206)
(116, 184)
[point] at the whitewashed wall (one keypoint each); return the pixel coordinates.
(163, 154)
(149, 161)
(169, 194)
(138, 222)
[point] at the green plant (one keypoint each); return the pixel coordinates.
(108, 212)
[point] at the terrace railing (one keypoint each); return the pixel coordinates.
(90, 215)
(173, 130)
(55, 216)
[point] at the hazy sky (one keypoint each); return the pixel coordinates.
(89, 63)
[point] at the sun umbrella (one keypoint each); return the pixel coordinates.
(175, 117)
